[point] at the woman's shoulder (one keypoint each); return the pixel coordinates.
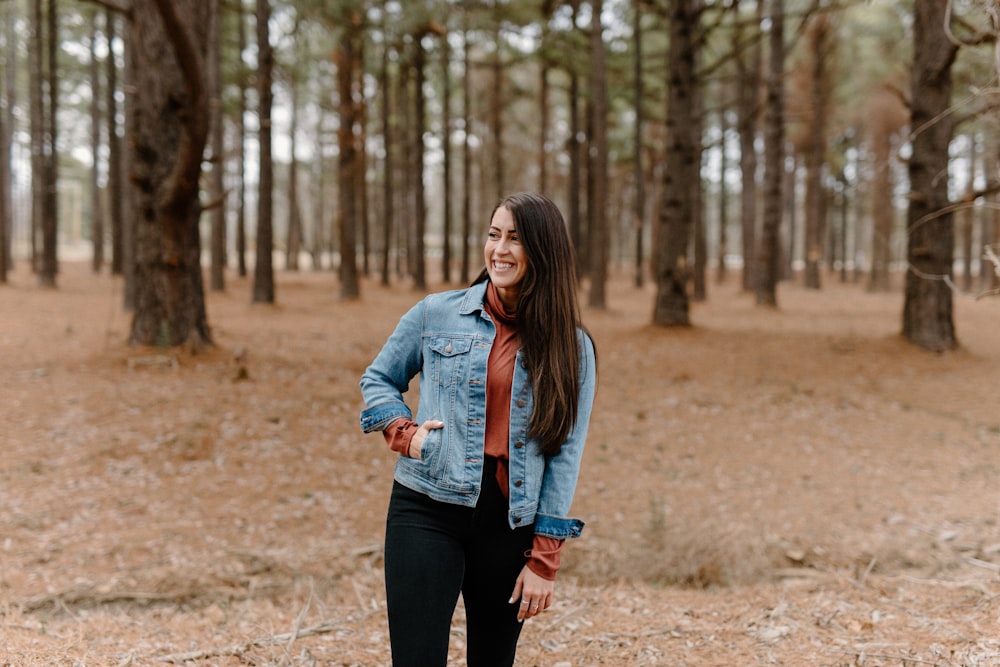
(466, 299)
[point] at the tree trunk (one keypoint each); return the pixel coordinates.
(499, 174)
(886, 117)
(116, 186)
(680, 173)
(599, 236)
(927, 307)
(699, 245)
(639, 210)
(723, 246)
(418, 151)
(129, 199)
(466, 155)
(6, 202)
(50, 175)
(769, 248)
(388, 191)
(217, 234)
(446, 158)
(96, 203)
(749, 74)
(346, 60)
(820, 37)
(263, 274)
(293, 242)
(7, 136)
(241, 132)
(966, 218)
(170, 133)
(989, 274)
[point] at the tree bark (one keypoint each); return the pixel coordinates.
(769, 248)
(927, 306)
(388, 165)
(680, 173)
(171, 129)
(263, 275)
(6, 202)
(886, 117)
(820, 36)
(466, 153)
(347, 67)
(241, 137)
(293, 242)
(639, 209)
(96, 203)
(748, 110)
(7, 136)
(116, 187)
(599, 236)
(419, 149)
(217, 233)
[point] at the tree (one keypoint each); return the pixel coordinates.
(241, 160)
(6, 135)
(5, 201)
(640, 181)
(43, 140)
(930, 247)
(96, 207)
(749, 65)
(680, 175)
(169, 39)
(887, 117)
(768, 258)
(348, 66)
(599, 164)
(217, 235)
(293, 243)
(263, 275)
(116, 188)
(820, 36)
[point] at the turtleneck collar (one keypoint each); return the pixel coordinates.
(497, 307)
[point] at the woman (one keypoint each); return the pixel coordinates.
(488, 467)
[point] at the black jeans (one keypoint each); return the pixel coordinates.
(433, 552)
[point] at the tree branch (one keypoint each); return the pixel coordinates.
(125, 9)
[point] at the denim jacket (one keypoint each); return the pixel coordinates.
(446, 338)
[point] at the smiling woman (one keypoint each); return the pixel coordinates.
(488, 467)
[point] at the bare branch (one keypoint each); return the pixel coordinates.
(125, 9)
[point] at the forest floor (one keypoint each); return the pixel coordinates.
(795, 486)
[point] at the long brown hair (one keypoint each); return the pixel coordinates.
(548, 316)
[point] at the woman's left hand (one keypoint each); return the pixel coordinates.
(532, 594)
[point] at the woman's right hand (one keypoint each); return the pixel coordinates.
(417, 441)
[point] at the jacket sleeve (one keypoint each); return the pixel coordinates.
(388, 377)
(563, 469)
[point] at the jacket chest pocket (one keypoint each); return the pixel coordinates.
(448, 359)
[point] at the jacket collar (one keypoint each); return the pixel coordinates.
(475, 296)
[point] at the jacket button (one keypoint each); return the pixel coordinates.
(517, 519)
(518, 444)
(521, 402)
(518, 483)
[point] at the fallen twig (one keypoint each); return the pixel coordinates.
(885, 656)
(240, 649)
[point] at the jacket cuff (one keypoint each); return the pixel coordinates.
(560, 528)
(377, 417)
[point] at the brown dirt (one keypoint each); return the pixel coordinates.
(790, 487)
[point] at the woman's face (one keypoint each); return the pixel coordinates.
(506, 260)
